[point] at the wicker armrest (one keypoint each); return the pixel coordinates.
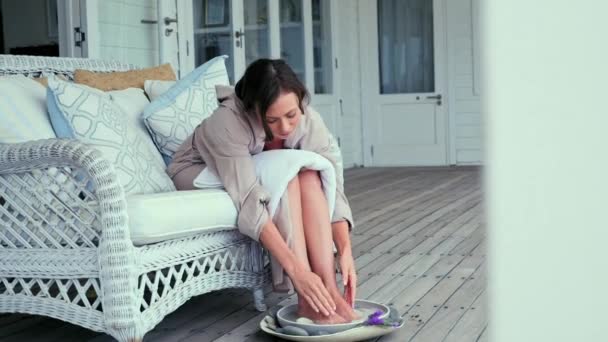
(59, 193)
(62, 197)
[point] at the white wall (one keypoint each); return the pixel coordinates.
(121, 34)
(25, 24)
(464, 97)
(547, 163)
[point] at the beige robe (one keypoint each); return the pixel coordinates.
(226, 141)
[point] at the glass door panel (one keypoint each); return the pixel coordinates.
(213, 27)
(257, 32)
(292, 36)
(405, 46)
(322, 49)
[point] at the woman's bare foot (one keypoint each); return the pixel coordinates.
(342, 307)
(305, 310)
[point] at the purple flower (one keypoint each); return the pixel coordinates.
(374, 319)
(376, 313)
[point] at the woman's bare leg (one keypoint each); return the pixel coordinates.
(299, 244)
(318, 233)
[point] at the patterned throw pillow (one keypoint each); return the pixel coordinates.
(172, 117)
(90, 115)
(155, 88)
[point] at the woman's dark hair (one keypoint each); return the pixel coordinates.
(263, 82)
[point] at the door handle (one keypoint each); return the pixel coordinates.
(239, 36)
(169, 20)
(435, 97)
(148, 21)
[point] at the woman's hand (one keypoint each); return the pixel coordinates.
(310, 287)
(349, 276)
(345, 260)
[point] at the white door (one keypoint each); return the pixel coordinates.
(403, 82)
(307, 33)
(168, 52)
(323, 86)
(211, 28)
(299, 31)
(72, 27)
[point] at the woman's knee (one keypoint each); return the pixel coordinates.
(309, 178)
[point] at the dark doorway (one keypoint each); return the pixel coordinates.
(29, 27)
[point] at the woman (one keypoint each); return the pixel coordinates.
(268, 110)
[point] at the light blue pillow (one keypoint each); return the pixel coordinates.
(90, 115)
(173, 116)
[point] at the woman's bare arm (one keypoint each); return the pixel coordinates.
(307, 283)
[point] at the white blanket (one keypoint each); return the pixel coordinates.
(276, 168)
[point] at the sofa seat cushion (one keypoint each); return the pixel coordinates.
(177, 214)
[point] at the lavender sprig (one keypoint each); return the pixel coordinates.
(375, 320)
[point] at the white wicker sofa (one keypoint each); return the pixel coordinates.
(65, 246)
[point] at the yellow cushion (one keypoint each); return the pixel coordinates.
(120, 80)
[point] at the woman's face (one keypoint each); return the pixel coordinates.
(283, 115)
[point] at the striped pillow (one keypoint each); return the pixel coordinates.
(23, 114)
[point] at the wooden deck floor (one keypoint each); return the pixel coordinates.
(419, 244)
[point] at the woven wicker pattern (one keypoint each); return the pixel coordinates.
(65, 248)
(34, 66)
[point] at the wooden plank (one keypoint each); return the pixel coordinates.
(430, 213)
(438, 270)
(419, 183)
(473, 240)
(402, 219)
(214, 321)
(440, 297)
(384, 184)
(484, 336)
(472, 323)
(401, 205)
(410, 296)
(440, 324)
(418, 228)
(184, 322)
(381, 199)
(445, 224)
(356, 186)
